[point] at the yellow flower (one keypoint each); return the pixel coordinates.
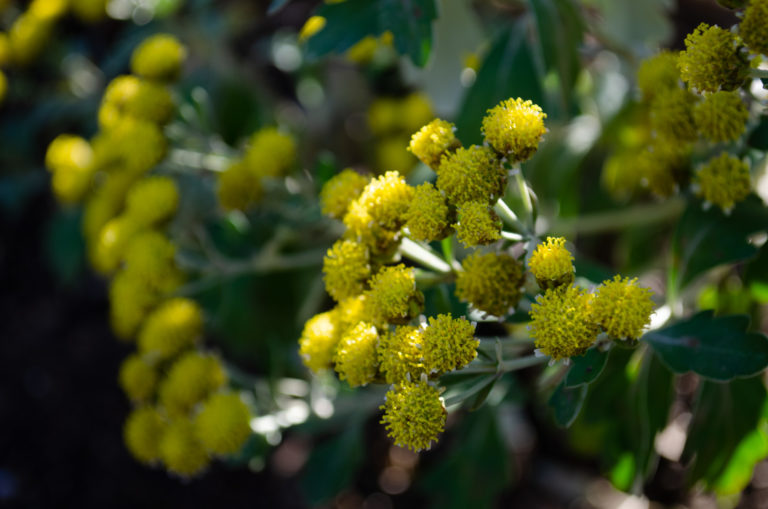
(562, 323)
(621, 175)
(340, 191)
(89, 11)
(414, 415)
(723, 181)
(159, 57)
(173, 327)
(753, 27)
(414, 111)
(132, 145)
(449, 343)
(400, 354)
(28, 37)
(149, 257)
(48, 9)
(490, 282)
(130, 300)
(552, 264)
(427, 217)
(112, 243)
(433, 141)
(356, 359)
(190, 380)
(312, 26)
(514, 128)
(386, 199)
(152, 200)
(239, 187)
(138, 378)
(104, 204)
(142, 432)
(270, 153)
(382, 116)
(181, 450)
(478, 224)
(352, 311)
(223, 424)
(661, 164)
(672, 115)
(622, 307)
(393, 296)
(130, 96)
(721, 116)
(471, 174)
(712, 60)
(362, 228)
(658, 73)
(70, 159)
(318, 341)
(346, 268)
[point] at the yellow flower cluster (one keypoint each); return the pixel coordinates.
(713, 60)
(658, 73)
(753, 28)
(428, 216)
(721, 116)
(433, 141)
(159, 57)
(672, 115)
(478, 224)
(340, 191)
(472, 174)
(723, 181)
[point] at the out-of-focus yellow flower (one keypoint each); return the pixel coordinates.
(190, 380)
(104, 204)
(433, 141)
(471, 174)
(170, 329)
(414, 415)
(28, 37)
(393, 296)
(660, 165)
(89, 11)
(355, 358)
(551, 263)
(48, 9)
(346, 268)
(383, 116)
(138, 378)
(622, 307)
(514, 128)
(490, 282)
(723, 181)
(181, 450)
(449, 343)
(142, 433)
(318, 341)
(130, 301)
(239, 187)
(131, 145)
(713, 60)
(428, 215)
(159, 57)
(340, 191)
(113, 241)
(721, 116)
(401, 354)
(478, 224)
(562, 323)
(392, 154)
(415, 110)
(149, 257)
(222, 425)
(672, 115)
(152, 200)
(658, 73)
(754, 28)
(130, 96)
(70, 160)
(312, 26)
(270, 153)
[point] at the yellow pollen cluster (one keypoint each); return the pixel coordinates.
(70, 161)
(427, 216)
(189, 380)
(721, 116)
(672, 115)
(356, 358)
(346, 268)
(471, 174)
(152, 200)
(432, 141)
(658, 73)
(223, 424)
(414, 415)
(159, 57)
(131, 96)
(754, 27)
(149, 257)
(181, 450)
(400, 354)
(271, 153)
(386, 199)
(622, 307)
(552, 264)
(449, 343)
(723, 181)
(340, 191)
(393, 296)
(143, 430)
(490, 282)
(171, 328)
(478, 224)
(562, 322)
(514, 128)
(712, 60)
(137, 378)
(318, 341)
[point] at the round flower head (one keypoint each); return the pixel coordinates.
(514, 128)
(660, 165)
(672, 115)
(393, 296)
(150, 257)
(130, 300)
(142, 432)
(189, 380)
(490, 282)
(104, 204)
(318, 341)
(552, 264)
(721, 116)
(223, 424)
(432, 141)
(382, 116)
(754, 26)
(340, 191)
(400, 354)
(622, 307)
(137, 378)
(471, 174)
(346, 268)
(112, 243)
(239, 187)
(28, 36)
(171, 328)
(70, 159)
(181, 451)
(133, 145)
(562, 322)
(352, 311)
(89, 11)
(152, 200)
(355, 358)
(712, 60)
(414, 111)
(387, 198)
(271, 153)
(130, 96)
(362, 228)
(658, 73)
(478, 224)
(449, 343)
(723, 181)
(159, 57)
(414, 415)
(427, 216)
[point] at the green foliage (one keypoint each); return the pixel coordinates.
(566, 403)
(759, 137)
(586, 368)
(65, 246)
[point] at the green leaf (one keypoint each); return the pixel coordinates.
(65, 248)
(738, 472)
(507, 71)
(410, 21)
(758, 138)
(332, 465)
(718, 348)
(586, 368)
(566, 403)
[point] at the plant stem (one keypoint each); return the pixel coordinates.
(759, 73)
(524, 194)
(617, 220)
(514, 237)
(504, 366)
(199, 160)
(508, 216)
(422, 254)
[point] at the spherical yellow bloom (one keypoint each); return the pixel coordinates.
(393, 296)
(48, 9)
(223, 424)
(621, 176)
(318, 341)
(712, 60)
(149, 257)
(352, 311)
(672, 115)
(382, 116)
(340, 191)
(428, 215)
(471, 174)
(173, 327)
(113, 241)
(414, 111)
(400, 354)
(28, 37)
(159, 57)
(661, 164)
(721, 116)
(138, 378)
(754, 28)
(134, 97)
(562, 323)
(449, 343)
(433, 141)
(658, 73)
(190, 380)
(129, 300)
(356, 359)
(490, 282)
(239, 187)
(364, 50)
(181, 451)
(414, 415)
(346, 268)
(104, 204)
(386, 199)
(723, 181)
(271, 153)
(551, 263)
(622, 307)
(152, 200)
(70, 159)
(362, 228)
(391, 154)
(514, 128)
(132, 145)
(142, 432)
(478, 224)
(89, 11)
